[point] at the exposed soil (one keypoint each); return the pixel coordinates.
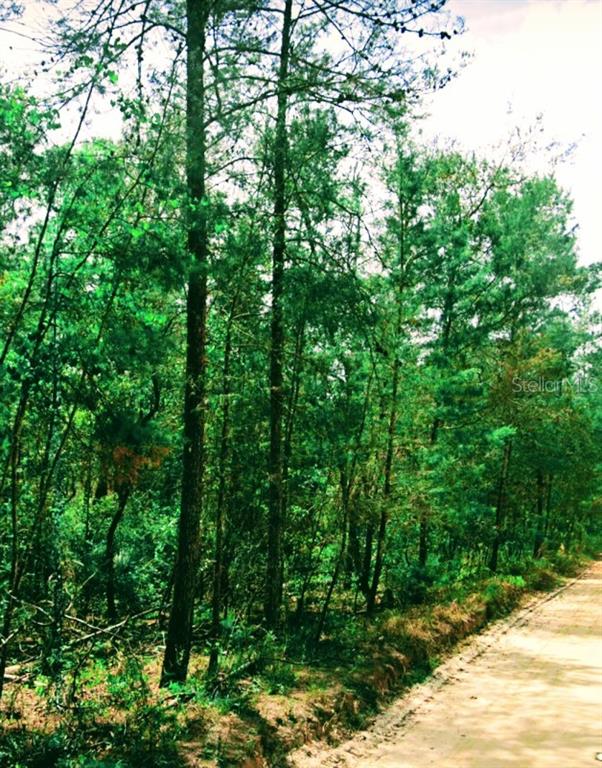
(525, 693)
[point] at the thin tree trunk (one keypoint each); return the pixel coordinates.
(15, 576)
(353, 560)
(216, 597)
(309, 572)
(367, 560)
(291, 411)
(546, 526)
(348, 561)
(423, 535)
(500, 508)
(447, 321)
(122, 499)
(179, 632)
(273, 581)
(388, 473)
(540, 522)
(378, 560)
(333, 581)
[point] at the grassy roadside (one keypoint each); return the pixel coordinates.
(113, 715)
(397, 650)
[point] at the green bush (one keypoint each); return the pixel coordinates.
(542, 578)
(501, 594)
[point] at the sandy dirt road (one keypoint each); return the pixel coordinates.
(526, 693)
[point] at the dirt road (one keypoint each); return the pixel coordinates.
(526, 693)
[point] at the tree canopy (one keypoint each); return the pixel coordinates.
(270, 365)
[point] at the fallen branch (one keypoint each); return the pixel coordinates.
(110, 630)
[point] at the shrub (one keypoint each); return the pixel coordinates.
(501, 594)
(542, 578)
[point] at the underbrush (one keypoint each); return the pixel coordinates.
(268, 697)
(93, 718)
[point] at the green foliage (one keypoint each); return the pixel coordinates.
(113, 710)
(435, 330)
(500, 594)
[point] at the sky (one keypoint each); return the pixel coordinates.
(535, 58)
(530, 59)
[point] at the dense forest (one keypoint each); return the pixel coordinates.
(271, 368)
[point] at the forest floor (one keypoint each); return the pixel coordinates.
(525, 693)
(522, 692)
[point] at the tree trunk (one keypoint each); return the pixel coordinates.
(15, 566)
(273, 580)
(179, 633)
(122, 498)
(500, 508)
(367, 560)
(348, 562)
(331, 586)
(379, 559)
(293, 400)
(384, 514)
(546, 527)
(218, 567)
(387, 484)
(353, 560)
(335, 576)
(539, 525)
(423, 540)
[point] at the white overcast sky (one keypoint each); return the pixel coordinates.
(537, 57)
